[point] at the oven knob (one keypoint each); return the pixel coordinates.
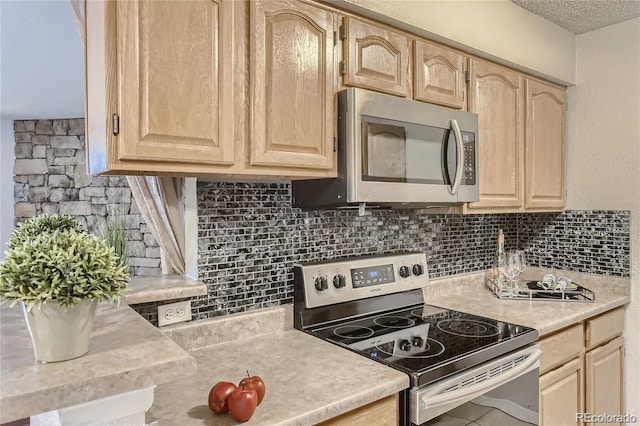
(417, 341)
(418, 269)
(404, 271)
(339, 281)
(404, 345)
(321, 283)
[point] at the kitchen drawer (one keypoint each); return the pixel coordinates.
(560, 347)
(383, 412)
(604, 328)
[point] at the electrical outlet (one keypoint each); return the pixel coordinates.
(174, 312)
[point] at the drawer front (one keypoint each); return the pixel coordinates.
(604, 327)
(383, 412)
(561, 347)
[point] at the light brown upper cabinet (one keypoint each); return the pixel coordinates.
(375, 58)
(210, 87)
(439, 75)
(496, 94)
(545, 146)
(159, 86)
(292, 105)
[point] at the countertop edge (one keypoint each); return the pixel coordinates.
(104, 371)
(569, 321)
(85, 390)
(163, 287)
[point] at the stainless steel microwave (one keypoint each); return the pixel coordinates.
(399, 153)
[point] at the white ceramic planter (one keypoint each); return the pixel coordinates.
(58, 334)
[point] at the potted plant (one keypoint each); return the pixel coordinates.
(58, 273)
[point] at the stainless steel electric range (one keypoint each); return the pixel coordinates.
(373, 305)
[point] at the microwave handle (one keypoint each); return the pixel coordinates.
(460, 154)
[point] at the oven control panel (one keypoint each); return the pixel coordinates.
(344, 280)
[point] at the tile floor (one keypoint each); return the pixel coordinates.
(476, 415)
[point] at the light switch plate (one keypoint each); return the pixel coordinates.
(174, 312)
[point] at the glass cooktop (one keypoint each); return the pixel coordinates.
(427, 342)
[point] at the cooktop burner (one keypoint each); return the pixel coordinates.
(471, 328)
(353, 332)
(426, 341)
(393, 321)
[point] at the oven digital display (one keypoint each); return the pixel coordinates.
(372, 275)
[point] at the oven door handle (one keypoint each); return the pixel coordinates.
(470, 392)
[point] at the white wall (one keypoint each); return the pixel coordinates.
(42, 63)
(603, 152)
(42, 60)
(496, 29)
(6, 182)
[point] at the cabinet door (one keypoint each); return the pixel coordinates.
(604, 381)
(561, 395)
(376, 58)
(496, 95)
(175, 96)
(544, 146)
(439, 75)
(292, 111)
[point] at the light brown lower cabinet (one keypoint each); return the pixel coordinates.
(561, 394)
(582, 370)
(383, 412)
(604, 384)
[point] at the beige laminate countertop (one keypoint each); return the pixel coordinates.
(467, 293)
(307, 380)
(163, 287)
(125, 353)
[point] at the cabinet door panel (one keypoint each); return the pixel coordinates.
(175, 81)
(496, 95)
(376, 58)
(292, 85)
(561, 395)
(544, 146)
(604, 373)
(439, 75)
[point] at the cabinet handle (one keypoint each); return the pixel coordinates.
(460, 154)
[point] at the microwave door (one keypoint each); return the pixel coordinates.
(384, 152)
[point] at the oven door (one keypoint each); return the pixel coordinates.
(496, 391)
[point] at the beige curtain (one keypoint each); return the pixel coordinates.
(78, 12)
(161, 203)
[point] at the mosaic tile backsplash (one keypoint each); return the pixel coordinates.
(249, 236)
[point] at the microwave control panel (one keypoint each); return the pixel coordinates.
(469, 170)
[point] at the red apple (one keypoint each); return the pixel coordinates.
(256, 383)
(218, 397)
(242, 403)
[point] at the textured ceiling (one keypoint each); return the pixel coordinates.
(580, 16)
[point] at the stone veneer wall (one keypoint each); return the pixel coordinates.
(50, 177)
(249, 236)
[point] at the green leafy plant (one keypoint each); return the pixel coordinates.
(37, 225)
(114, 232)
(64, 265)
